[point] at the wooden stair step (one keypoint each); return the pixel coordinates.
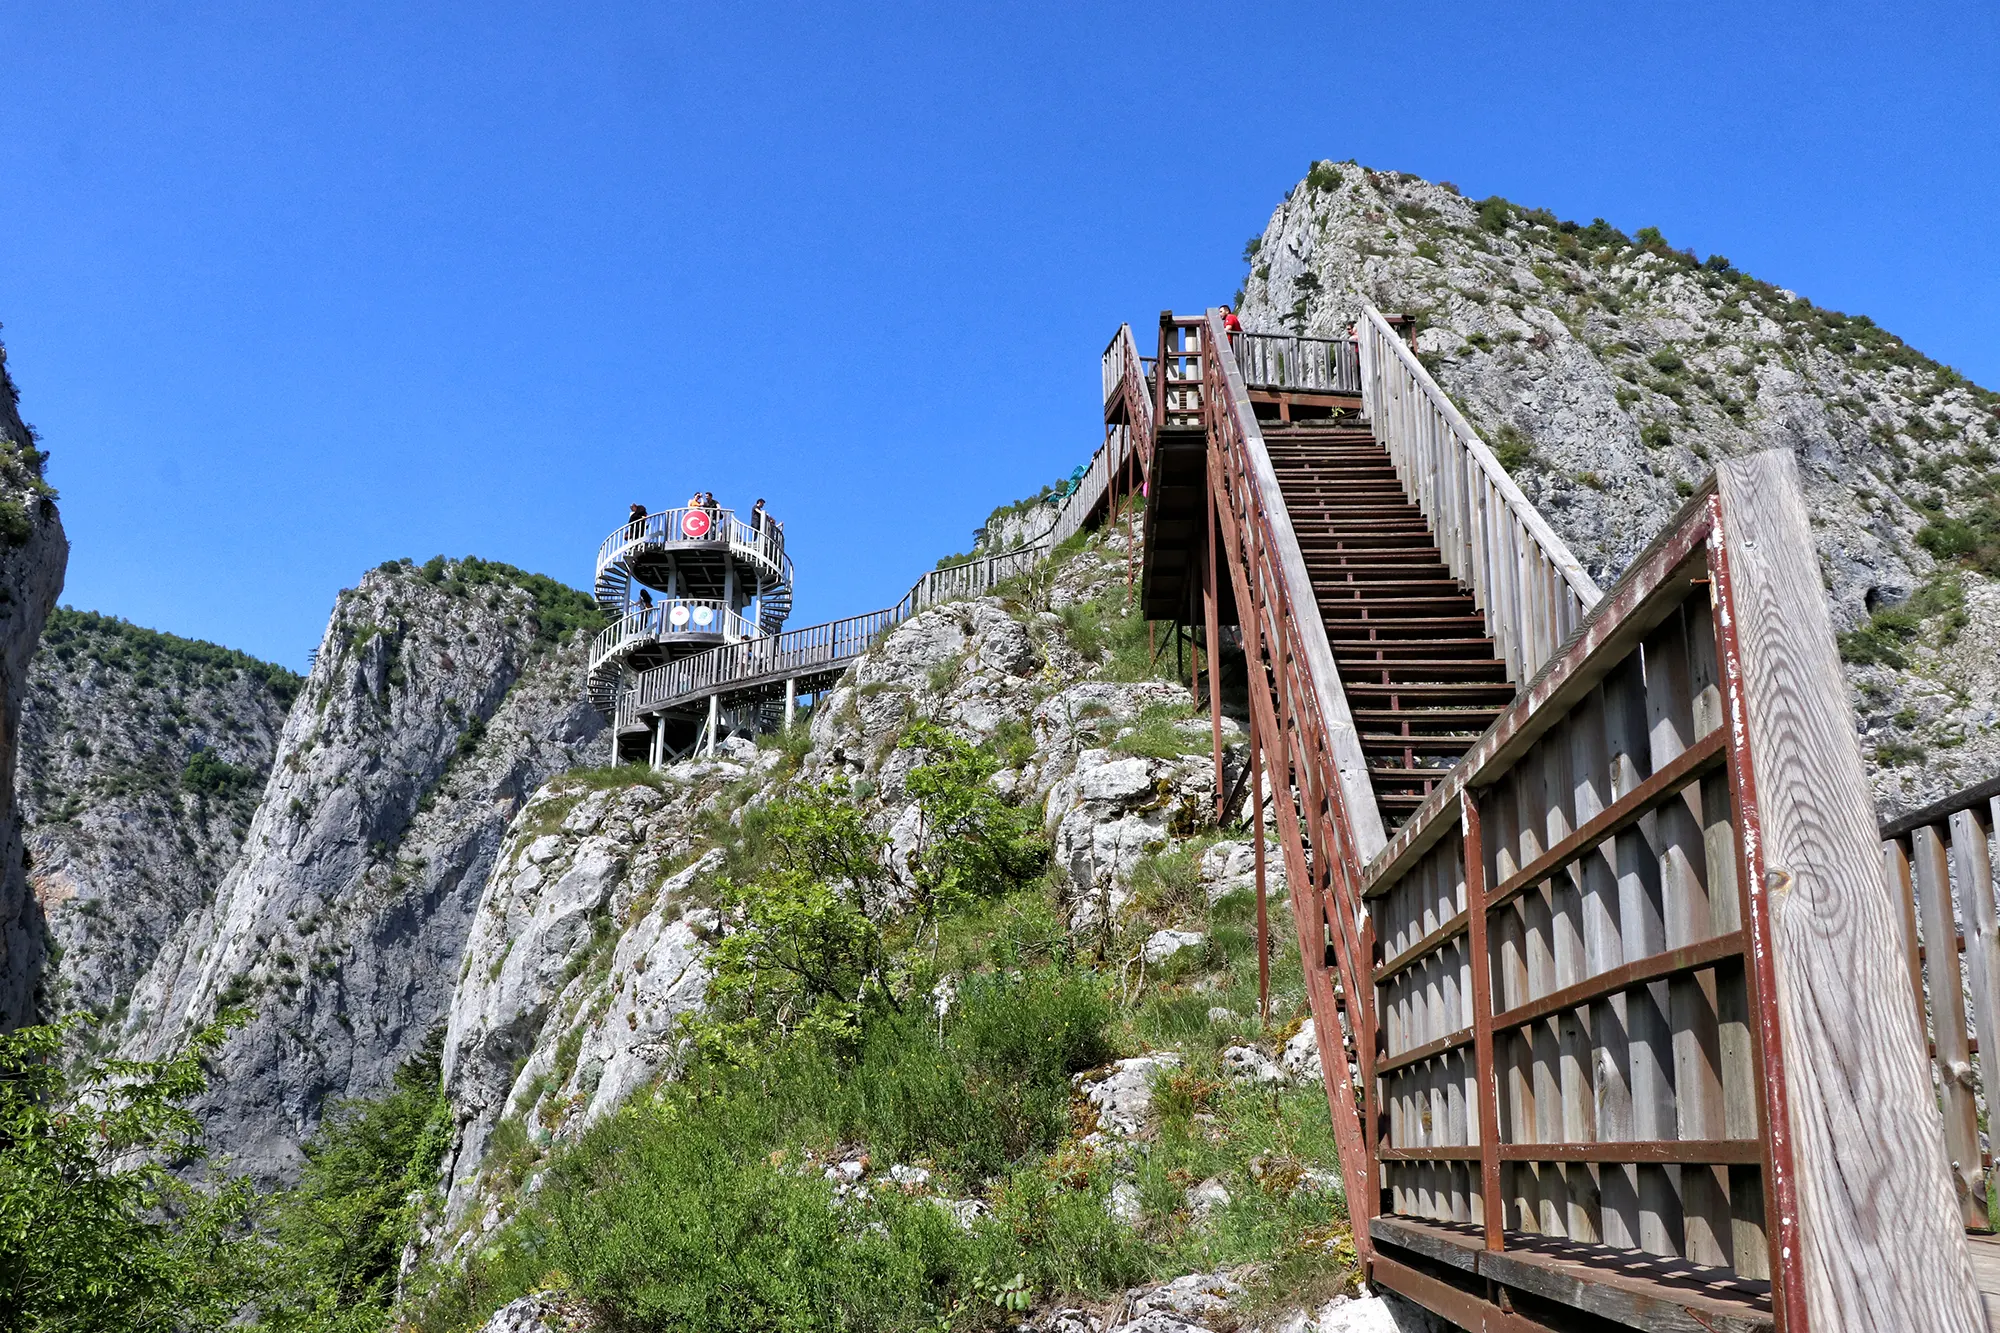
(1450, 691)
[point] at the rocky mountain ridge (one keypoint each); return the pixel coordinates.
(415, 839)
(143, 756)
(1609, 372)
(33, 555)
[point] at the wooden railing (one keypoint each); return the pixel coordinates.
(1616, 1024)
(1283, 361)
(1939, 864)
(1532, 590)
(1127, 382)
(1637, 987)
(1324, 802)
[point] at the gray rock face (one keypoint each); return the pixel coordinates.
(33, 555)
(432, 713)
(579, 963)
(125, 838)
(1123, 1093)
(1616, 375)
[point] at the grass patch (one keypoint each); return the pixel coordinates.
(1937, 609)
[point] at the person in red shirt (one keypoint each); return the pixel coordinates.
(1230, 323)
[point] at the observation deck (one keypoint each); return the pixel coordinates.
(682, 581)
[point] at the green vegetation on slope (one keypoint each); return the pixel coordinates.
(941, 1036)
(92, 1237)
(150, 654)
(560, 610)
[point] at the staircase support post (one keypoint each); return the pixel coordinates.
(714, 721)
(1213, 636)
(655, 751)
(791, 702)
(1257, 834)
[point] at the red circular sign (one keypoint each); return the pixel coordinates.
(695, 523)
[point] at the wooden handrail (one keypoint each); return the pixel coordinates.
(1230, 413)
(1288, 361)
(1531, 588)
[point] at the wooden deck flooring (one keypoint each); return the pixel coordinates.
(1986, 1273)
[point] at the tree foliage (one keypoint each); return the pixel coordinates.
(96, 1232)
(338, 1235)
(814, 923)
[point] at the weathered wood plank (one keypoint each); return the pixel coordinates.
(1883, 1248)
(1742, 1082)
(1972, 861)
(1670, 691)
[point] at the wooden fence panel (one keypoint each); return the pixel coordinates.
(1646, 983)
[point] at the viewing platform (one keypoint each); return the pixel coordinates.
(683, 581)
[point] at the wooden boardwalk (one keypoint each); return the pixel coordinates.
(1616, 1024)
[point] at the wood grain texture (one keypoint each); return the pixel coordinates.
(1972, 867)
(1883, 1248)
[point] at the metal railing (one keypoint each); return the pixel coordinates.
(1310, 365)
(713, 527)
(666, 621)
(1531, 588)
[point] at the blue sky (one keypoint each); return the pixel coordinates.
(291, 290)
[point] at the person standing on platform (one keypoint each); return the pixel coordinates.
(637, 518)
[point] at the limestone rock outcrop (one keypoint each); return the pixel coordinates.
(33, 556)
(143, 756)
(1611, 374)
(434, 710)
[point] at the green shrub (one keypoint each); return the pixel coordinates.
(1169, 882)
(1656, 435)
(1667, 361)
(1898, 754)
(686, 1210)
(95, 1231)
(338, 1235)
(1322, 178)
(1494, 214)
(207, 773)
(1158, 735)
(1512, 449)
(119, 643)
(1973, 541)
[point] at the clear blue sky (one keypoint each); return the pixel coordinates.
(293, 289)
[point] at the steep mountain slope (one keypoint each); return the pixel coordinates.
(596, 936)
(33, 554)
(142, 758)
(439, 700)
(1609, 372)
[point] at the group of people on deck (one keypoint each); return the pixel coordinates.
(760, 522)
(765, 530)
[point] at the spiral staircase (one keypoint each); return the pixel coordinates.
(680, 582)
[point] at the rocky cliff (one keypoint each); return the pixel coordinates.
(591, 943)
(1610, 372)
(440, 699)
(142, 759)
(33, 554)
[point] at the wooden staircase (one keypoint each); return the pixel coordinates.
(1422, 676)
